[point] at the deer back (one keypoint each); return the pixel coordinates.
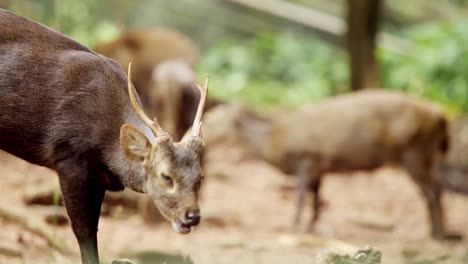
(359, 130)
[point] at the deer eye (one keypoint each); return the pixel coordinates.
(167, 178)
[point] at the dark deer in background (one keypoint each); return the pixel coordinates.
(67, 108)
(164, 61)
(359, 131)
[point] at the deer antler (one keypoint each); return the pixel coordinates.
(153, 125)
(197, 121)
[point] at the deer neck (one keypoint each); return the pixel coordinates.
(130, 173)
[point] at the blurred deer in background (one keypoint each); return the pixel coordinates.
(359, 131)
(164, 60)
(363, 131)
(67, 108)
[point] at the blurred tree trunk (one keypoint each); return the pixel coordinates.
(363, 18)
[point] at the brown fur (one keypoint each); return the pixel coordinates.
(67, 108)
(363, 131)
(358, 131)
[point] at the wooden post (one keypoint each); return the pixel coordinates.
(363, 16)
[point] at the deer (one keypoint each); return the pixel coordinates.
(165, 60)
(345, 133)
(75, 111)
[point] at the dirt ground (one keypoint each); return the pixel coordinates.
(247, 210)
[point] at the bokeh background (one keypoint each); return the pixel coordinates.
(269, 56)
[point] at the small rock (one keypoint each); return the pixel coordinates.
(122, 261)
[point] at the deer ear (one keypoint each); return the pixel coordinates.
(134, 143)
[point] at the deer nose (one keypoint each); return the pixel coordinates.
(193, 217)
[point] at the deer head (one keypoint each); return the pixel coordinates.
(173, 169)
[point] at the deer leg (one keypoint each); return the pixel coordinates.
(315, 188)
(83, 198)
(302, 183)
(432, 196)
(423, 174)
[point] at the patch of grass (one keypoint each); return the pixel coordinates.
(363, 256)
(153, 257)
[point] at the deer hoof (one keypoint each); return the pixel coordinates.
(453, 236)
(448, 236)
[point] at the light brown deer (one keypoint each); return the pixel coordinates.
(70, 109)
(358, 131)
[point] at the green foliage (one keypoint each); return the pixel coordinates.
(275, 69)
(437, 69)
(85, 21)
(284, 70)
(278, 69)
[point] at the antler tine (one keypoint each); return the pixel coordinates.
(197, 121)
(153, 125)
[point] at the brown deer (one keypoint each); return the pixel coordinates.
(164, 60)
(358, 131)
(70, 109)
